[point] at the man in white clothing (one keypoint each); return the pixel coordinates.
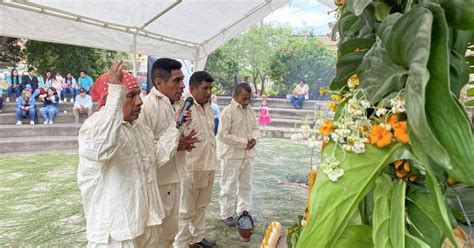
(159, 109)
(196, 191)
(82, 105)
(238, 132)
(117, 167)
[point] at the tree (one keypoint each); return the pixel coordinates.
(10, 50)
(302, 58)
(247, 55)
(68, 58)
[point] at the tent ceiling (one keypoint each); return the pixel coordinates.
(189, 29)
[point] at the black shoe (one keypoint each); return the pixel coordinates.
(205, 243)
(229, 221)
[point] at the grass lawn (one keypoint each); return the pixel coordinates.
(40, 204)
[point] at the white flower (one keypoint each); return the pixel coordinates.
(365, 103)
(381, 111)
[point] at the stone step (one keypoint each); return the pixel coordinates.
(285, 123)
(10, 131)
(276, 132)
(10, 118)
(277, 103)
(37, 143)
(12, 106)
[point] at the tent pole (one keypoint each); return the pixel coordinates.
(134, 54)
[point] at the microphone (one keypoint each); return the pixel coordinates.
(187, 105)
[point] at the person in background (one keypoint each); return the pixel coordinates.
(85, 82)
(252, 85)
(196, 191)
(264, 116)
(300, 93)
(69, 85)
(50, 108)
(238, 133)
(14, 84)
(217, 112)
(82, 105)
(57, 83)
(1, 99)
(32, 80)
(26, 106)
(143, 87)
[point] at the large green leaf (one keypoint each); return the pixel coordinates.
(381, 217)
(414, 242)
(446, 116)
(356, 236)
(346, 66)
(333, 203)
(349, 24)
(355, 43)
(379, 76)
(397, 215)
(426, 223)
(458, 68)
(357, 6)
(459, 13)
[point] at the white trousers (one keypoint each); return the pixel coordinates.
(148, 239)
(236, 181)
(196, 193)
(170, 196)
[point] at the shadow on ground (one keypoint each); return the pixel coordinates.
(40, 204)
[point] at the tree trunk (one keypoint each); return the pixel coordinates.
(262, 89)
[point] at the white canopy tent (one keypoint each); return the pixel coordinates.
(185, 29)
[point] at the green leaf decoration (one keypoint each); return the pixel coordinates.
(381, 220)
(356, 236)
(357, 6)
(397, 215)
(427, 223)
(414, 242)
(459, 13)
(332, 204)
(453, 131)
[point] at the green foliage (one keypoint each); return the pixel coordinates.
(381, 219)
(10, 52)
(68, 58)
(334, 203)
(310, 59)
(355, 236)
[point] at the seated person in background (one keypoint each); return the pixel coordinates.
(217, 112)
(82, 105)
(85, 82)
(14, 84)
(51, 107)
(299, 94)
(32, 80)
(69, 85)
(26, 106)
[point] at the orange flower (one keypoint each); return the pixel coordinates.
(403, 170)
(393, 121)
(401, 132)
(333, 106)
(326, 128)
(323, 91)
(380, 136)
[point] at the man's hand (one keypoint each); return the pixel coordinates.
(187, 143)
(251, 143)
(187, 116)
(115, 73)
(81, 107)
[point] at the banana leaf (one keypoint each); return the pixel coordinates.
(334, 203)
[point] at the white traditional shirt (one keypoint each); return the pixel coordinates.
(159, 114)
(236, 126)
(203, 157)
(117, 172)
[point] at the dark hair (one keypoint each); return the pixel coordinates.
(246, 77)
(85, 72)
(162, 68)
(240, 87)
(54, 90)
(200, 76)
(302, 80)
(31, 69)
(17, 76)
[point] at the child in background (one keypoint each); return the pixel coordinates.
(264, 116)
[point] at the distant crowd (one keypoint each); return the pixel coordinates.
(50, 89)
